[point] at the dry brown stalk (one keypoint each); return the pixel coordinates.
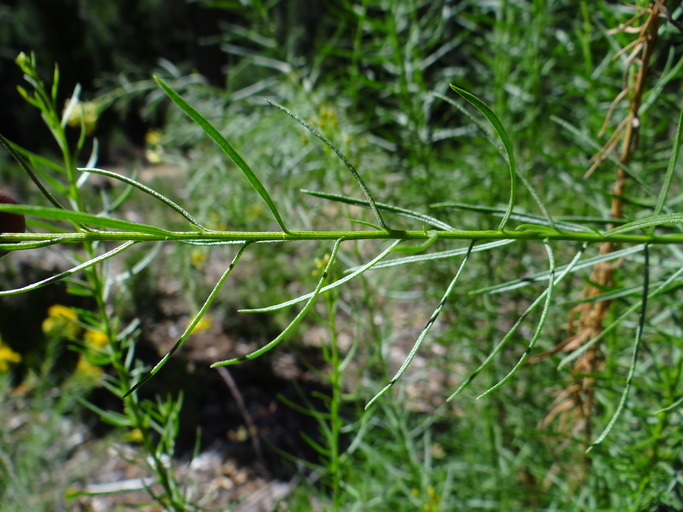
(573, 406)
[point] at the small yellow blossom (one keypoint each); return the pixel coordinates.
(88, 370)
(135, 435)
(216, 222)
(153, 137)
(204, 324)
(197, 258)
(7, 357)
(95, 339)
(61, 321)
(320, 264)
(85, 112)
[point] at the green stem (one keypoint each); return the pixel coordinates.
(294, 236)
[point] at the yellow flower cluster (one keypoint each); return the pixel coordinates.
(320, 264)
(7, 357)
(83, 113)
(154, 151)
(204, 324)
(433, 499)
(61, 321)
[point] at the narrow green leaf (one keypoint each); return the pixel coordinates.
(541, 322)
(147, 190)
(634, 357)
(384, 207)
(27, 168)
(654, 220)
(349, 166)
(71, 271)
(523, 217)
(84, 219)
(542, 276)
(668, 177)
(425, 330)
(516, 326)
(438, 255)
(500, 130)
(358, 271)
(223, 143)
(313, 295)
(200, 314)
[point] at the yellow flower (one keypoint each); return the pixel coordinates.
(95, 339)
(320, 264)
(84, 112)
(7, 356)
(197, 258)
(204, 324)
(61, 321)
(135, 435)
(88, 370)
(153, 137)
(216, 222)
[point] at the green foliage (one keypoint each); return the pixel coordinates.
(449, 304)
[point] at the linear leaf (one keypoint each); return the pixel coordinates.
(541, 322)
(312, 296)
(523, 217)
(634, 358)
(500, 130)
(71, 271)
(336, 284)
(515, 327)
(193, 323)
(223, 143)
(425, 330)
(654, 220)
(147, 190)
(349, 166)
(84, 218)
(385, 207)
(542, 276)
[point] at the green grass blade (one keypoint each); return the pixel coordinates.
(304, 311)
(425, 330)
(85, 219)
(634, 358)
(358, 271)
(227, 148)
(147, 190)
(193, 323)
(349, 166)
(502, 134)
